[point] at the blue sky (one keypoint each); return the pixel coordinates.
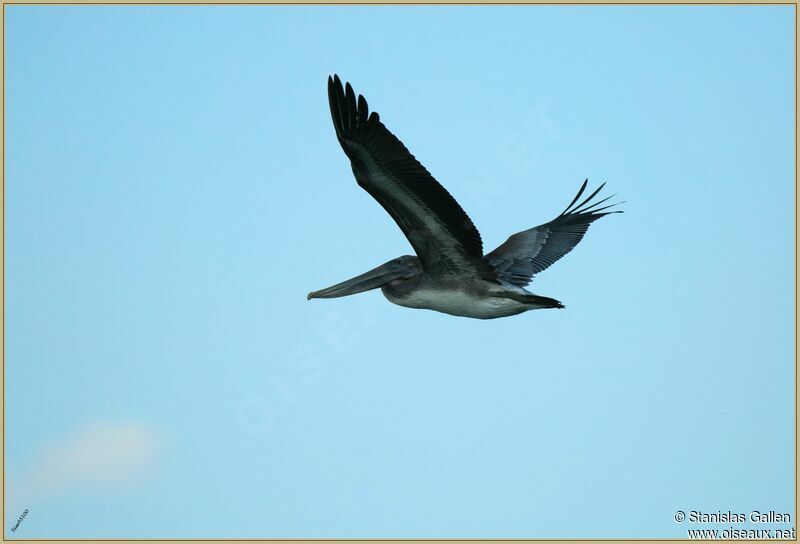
(174, 189)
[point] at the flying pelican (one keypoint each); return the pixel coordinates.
(450, 273)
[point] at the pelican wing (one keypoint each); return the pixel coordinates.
(443, 236)
(529, 252)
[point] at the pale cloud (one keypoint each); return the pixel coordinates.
(100, 454)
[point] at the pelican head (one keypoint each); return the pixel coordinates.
(396, 270)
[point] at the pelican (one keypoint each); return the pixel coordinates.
(449, 272)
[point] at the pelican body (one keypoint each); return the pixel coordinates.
(450, 273)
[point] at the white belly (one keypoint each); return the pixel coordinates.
(460, 303)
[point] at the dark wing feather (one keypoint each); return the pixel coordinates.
(443, 236)
(529, 252)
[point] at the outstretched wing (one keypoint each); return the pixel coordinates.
(443, 236)
(529, 252)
